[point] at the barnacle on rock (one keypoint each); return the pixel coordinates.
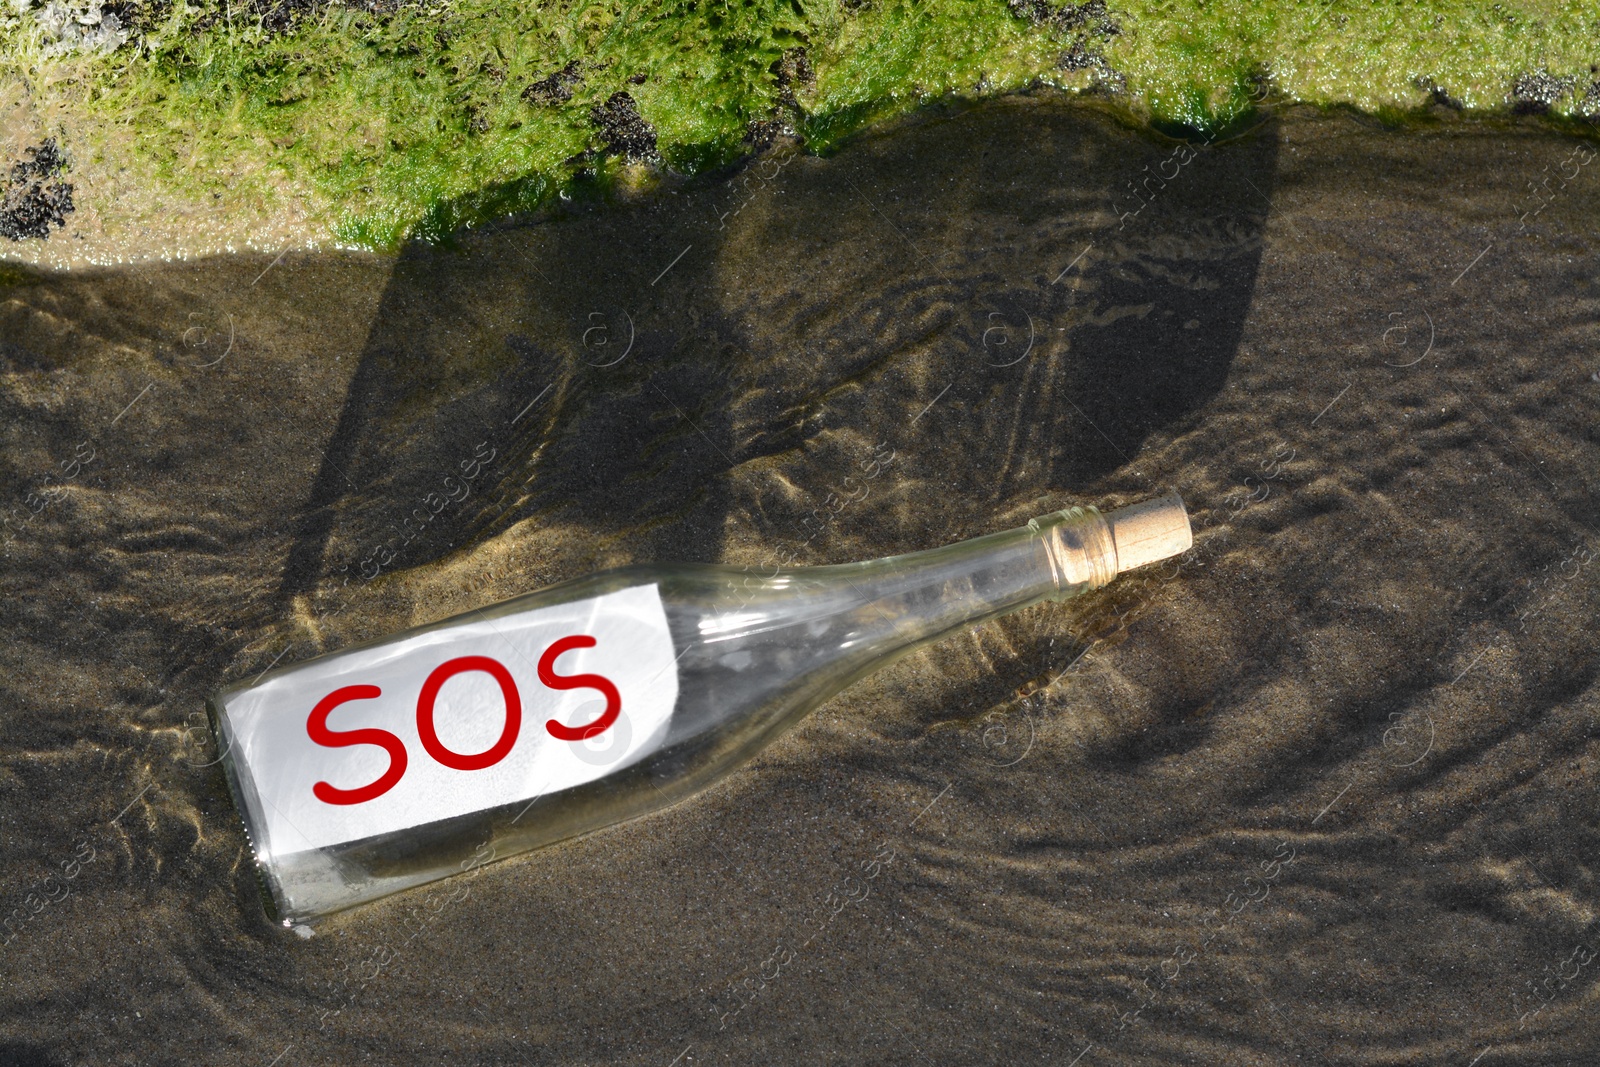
(32, 201)
(624, 130)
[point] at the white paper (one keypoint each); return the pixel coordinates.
(273, 749)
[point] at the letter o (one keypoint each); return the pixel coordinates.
(430, 692)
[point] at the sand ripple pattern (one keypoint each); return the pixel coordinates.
(1321, 791)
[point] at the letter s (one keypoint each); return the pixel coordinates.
(549, 677)
(317, 728)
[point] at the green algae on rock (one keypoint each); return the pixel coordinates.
(213, 125)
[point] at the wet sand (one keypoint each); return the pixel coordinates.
(1322, 792)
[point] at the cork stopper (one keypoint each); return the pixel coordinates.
(1149, 531)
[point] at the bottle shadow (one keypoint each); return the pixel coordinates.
(1017, 297)
(554, 372)
(1011, 299)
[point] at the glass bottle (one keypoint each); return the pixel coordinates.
(395, 763)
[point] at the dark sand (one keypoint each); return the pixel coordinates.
(1324, 793)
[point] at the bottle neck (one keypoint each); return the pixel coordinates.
(916, 598)
(801, 635)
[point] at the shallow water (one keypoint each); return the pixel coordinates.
(1322, 792)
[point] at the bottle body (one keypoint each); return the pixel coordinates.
(751, 653)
